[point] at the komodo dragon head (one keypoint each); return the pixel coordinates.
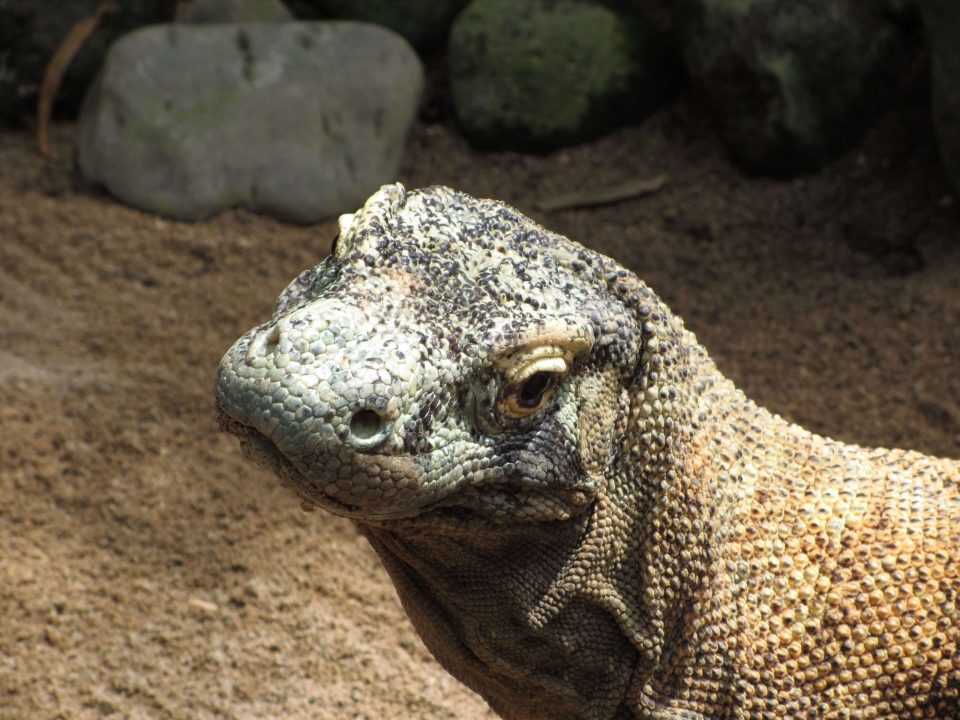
(582, 517)
(450, 362)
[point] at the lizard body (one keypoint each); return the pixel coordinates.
(583, 518)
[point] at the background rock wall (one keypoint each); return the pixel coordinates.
(789, 84)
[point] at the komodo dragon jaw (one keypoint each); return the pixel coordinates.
(583, 518)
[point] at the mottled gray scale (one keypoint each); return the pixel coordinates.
(583, 518)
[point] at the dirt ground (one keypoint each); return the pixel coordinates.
(147, 571)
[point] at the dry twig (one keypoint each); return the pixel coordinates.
(59, 62)
(603, 196)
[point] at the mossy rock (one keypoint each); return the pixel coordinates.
(790, 82)
(542, 74)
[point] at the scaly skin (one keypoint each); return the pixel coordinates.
(582, 516)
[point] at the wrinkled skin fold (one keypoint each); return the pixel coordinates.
(582, 516)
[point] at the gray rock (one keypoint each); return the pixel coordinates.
(218, 11)
(299, 120)
(32, 30)
(422, 22)
(790, 82)
(942, 23)
(546, 73)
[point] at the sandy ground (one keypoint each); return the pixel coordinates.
(147, 571)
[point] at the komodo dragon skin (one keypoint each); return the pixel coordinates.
(584, 518)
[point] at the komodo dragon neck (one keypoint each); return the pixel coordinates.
(613, 604)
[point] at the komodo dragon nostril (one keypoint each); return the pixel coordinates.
(262, 345)
(368, 430)
(272, 339)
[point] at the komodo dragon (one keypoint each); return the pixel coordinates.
(584, 518)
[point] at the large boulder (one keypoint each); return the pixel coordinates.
(546, 73)
(942, 22)
(424, 23)
(299, 120)
(32, 30)
(790, 82)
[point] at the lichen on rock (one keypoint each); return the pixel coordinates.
(540, 75)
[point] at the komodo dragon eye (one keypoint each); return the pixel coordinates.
(531, 384)
(535, 388)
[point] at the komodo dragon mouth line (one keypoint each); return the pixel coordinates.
(262, 451)
(464, 508)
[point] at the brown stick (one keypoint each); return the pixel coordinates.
(57, 66)
(603, 196)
